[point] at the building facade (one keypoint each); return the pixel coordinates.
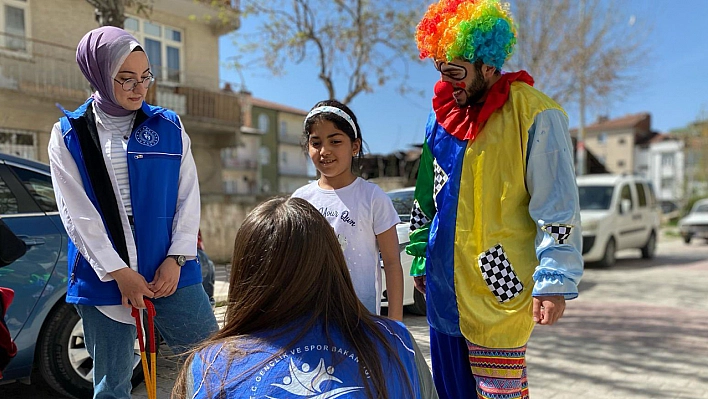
(289, 167)
(38, 41)
(661, 161)
(612, 141)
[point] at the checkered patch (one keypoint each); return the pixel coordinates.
(559, 232)
(439, 182)
(418, 218)
(499, 274)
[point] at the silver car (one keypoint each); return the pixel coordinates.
(695, 224)
(413, 300)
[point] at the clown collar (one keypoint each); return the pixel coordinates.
(464, 123)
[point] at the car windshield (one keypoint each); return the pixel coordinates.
(403, 202)
(595, 197)
(701, 209)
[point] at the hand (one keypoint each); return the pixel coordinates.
(132, 286)
(419, 282)
(166, 278)
(548, 309)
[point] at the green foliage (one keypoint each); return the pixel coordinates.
(112, 12)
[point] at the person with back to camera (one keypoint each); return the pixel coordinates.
(495, 224)
(128, 196)
(360, 212)
(294, 327)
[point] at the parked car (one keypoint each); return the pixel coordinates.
(47, 331)
(617, 212)
(208, 269)
(695, 224)
(413, 300)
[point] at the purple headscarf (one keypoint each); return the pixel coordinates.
(100, 54)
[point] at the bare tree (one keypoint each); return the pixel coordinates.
(585, 52)
(367, 41)
(112, 12)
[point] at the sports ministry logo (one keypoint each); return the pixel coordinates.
(302, 381)
(308, 384)
(147, 136)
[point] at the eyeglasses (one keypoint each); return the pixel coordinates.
(130, 84)
(452, 71)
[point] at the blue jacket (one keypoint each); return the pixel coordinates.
(154, 159)
(313, 367)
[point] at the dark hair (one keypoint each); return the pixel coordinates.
(288, 274)
(338, 121)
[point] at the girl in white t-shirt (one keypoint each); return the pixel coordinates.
(360, 212)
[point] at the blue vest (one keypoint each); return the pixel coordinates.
(314, 367)
(154, 159)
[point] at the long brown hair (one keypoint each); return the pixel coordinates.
(288, 265)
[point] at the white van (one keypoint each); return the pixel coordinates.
(617, 212)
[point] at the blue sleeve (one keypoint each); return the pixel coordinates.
(550, 178)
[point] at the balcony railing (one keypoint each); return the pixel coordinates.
(49, 71)
(240, 164)
(40, 69)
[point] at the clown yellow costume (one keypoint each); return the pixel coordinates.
(496, 220)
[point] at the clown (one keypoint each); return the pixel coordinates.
(495, 227)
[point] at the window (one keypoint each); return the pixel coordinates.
(620, 164)
(284, 157)
(667, 183)
(39, 186)
(8, 201)
(602, 138)
(283, 128)
(264, 154)
(21, 143)
(263, 123)
(13, 25)
(621, 141)
(162, 44)
(642, 198)
(626, 194)
(667, 159)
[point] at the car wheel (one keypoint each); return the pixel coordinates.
(687, 239)
(63, 360)
(418, 306)
(608, 260)
(650, 247)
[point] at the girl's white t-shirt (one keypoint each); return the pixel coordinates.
(358, 213)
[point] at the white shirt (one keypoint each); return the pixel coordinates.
(117, 150)
(84, 225)
(358, 213)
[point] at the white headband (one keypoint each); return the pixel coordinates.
(333, 110)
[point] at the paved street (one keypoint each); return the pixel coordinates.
(638, 330)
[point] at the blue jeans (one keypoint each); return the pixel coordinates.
(183, 319)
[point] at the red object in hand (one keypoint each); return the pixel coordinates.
(8, 349)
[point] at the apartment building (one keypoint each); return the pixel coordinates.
(612, 141)
(288, 167)
(661, 160)
(38, 41)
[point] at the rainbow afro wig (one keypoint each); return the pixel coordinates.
(468, 29)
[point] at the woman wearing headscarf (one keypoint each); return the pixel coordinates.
(128, 195)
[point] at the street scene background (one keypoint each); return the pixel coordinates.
(630, 75)
(637, 331)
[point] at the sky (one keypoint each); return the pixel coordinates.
(673, 80)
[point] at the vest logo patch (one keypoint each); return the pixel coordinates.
(147, 136)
